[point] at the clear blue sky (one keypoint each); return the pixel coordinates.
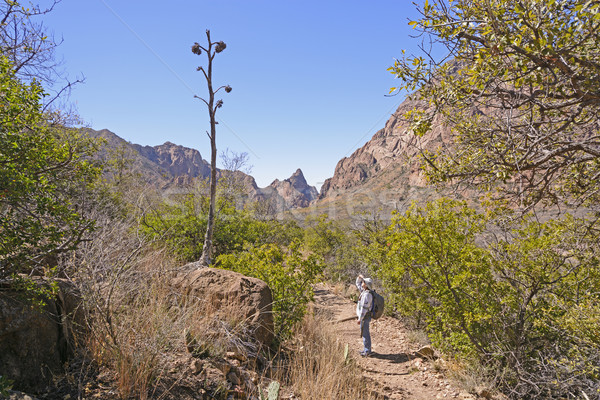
(309, 77)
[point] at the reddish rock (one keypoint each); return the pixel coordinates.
(425, 352)
(293, 192)
(233, 295)
(177, 160)
(390, 157)
(173, 167)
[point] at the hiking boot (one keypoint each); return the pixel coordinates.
(365, 353)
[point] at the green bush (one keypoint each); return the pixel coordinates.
(181, 226)
(289, 275)
(548, 287)
(434, 271)
(520, 297)
(45, 177)
(331, 241)
(5, 385)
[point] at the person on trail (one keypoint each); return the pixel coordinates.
(363, 311)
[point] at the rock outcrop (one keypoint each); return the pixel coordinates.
(293, 192)
(388, 159)
(176, 160)
(34, 341)
(232, 296)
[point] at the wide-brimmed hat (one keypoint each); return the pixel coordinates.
(368, 282)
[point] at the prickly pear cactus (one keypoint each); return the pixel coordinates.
(273, 390)
(346, 353)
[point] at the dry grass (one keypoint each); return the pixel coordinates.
(135, 328)
(468, 376)
(318, 366)
(140, 329)
(145, 324)
(418, 337)
(148, 327)
(346, 290)
(136, 321)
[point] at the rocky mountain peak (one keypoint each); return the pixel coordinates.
(389, 159)
(295, 191)
(170, 164)
(297, 179)
(176, 159)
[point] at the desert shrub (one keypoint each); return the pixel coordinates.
(433, 268)
(44, 179)
(131, 327)
(181, 226)
(138, 325)
(517, 296)
(289, 275)
(546, 279)
(140, 330)
(336, 244)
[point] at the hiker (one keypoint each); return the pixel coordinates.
(363, 311)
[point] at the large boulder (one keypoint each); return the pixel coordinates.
(234, 296)
(36, 340)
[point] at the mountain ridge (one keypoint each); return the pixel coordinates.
(384, 174)
(168, 165)
(391, 148)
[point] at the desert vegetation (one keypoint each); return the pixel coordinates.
(514, 276)
(507, 284)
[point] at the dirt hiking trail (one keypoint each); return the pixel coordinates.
(394, 369)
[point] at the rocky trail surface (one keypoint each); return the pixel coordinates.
(395, 368)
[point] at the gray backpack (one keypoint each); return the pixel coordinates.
(377, 306)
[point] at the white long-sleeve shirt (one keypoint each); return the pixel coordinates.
(365, 300)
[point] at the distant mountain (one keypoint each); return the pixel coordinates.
(388, 159)
(294, 191)
(177, 160)
(170, 165)
(385, 173)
